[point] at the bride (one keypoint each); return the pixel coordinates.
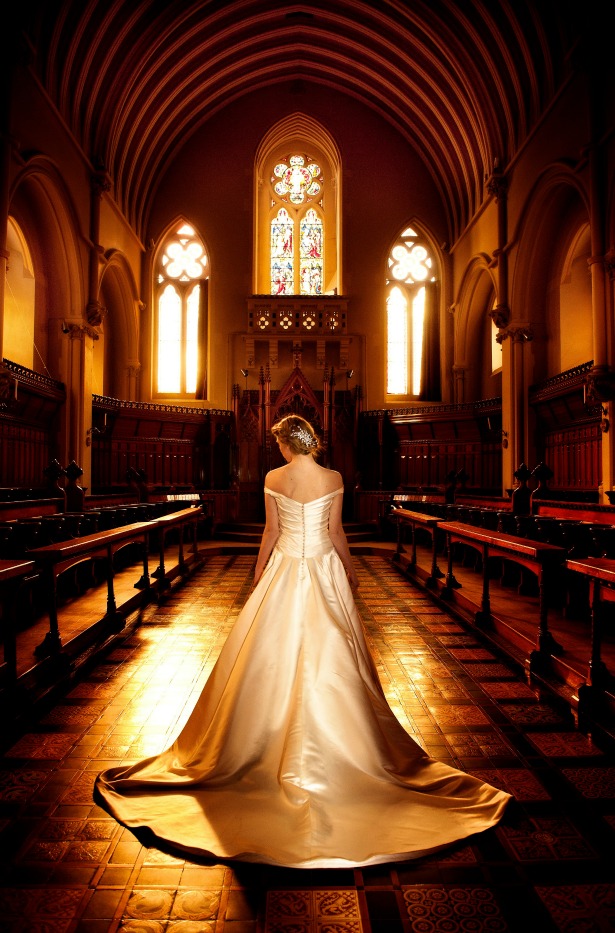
(292, 755)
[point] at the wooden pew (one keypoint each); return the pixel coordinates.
(13, 574)
(600, 680)
(541, 559)
(575, 511)
(55, 559)
(414, 520)
(184, 519)
(29, 508)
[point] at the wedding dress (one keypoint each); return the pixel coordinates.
(292, 755)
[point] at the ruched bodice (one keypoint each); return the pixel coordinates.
(291, 755)
(304, 526)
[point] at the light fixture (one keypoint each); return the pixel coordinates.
(244, 373)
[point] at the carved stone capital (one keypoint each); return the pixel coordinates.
(500, 316)
(95, 313)
(521, 334)
(497, 185)
(101, 183)
(518, 333)
(8, 386)
(600, 386)
(77, 331)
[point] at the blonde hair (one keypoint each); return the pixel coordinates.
(298, 435)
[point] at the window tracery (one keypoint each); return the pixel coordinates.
(409, 270)
(182, 269)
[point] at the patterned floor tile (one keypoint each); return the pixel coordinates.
(459, 715)
(440, 685)
(453, 909)
(505, 690)
(542, 839)
(144, 904)
(43, 745)
(531, 715)
(564, 744)
(472, 654)
(521, 783)
(580, 907)
(20, 785)
(313, 911)
(482, 671)
(39, 905)
(592, 782)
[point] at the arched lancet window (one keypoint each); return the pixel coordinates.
(297, 208)
(410, 315)
(181, 314)
(20, 340)
(496, 347)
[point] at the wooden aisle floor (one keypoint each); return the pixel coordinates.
(68, 867)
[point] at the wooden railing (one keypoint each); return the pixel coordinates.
(415, 520)
(564, 643)
(540, 559)
(54, 560)
(601, 575)
(13, 576)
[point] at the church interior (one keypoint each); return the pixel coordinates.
(415, 251)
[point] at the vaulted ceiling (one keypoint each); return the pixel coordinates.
(464, 82)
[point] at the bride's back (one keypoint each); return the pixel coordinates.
(303, 480)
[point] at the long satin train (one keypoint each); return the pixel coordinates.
(292, 755)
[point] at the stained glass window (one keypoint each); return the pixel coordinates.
(282, 254)
(183, 265)
(311, 254)
(296, 183)
(409, 268)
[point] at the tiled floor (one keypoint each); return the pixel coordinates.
(67, 867)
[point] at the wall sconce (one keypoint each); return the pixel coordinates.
(89, 434)
(244, 373)
(499, 431)
(349, 375)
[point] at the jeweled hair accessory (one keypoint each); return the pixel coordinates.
(301, 434)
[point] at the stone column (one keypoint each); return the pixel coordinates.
(79, 367)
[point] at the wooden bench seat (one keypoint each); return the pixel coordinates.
(540, 559)
(415, 520)
(56, 559)
(601, 575)
(13, 576)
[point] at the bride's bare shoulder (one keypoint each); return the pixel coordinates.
(275, 478)
(332, 479)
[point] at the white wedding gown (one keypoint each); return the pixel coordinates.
(292, 755)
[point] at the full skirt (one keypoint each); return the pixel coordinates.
(292, 755)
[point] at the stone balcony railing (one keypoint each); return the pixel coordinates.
(297, 315)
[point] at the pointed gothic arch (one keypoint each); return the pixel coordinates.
(301, 137)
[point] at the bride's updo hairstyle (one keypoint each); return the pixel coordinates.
(298, 435)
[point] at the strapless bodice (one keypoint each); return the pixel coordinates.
(304, 526)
